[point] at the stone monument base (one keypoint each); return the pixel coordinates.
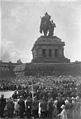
(47, 60)
(49, 50)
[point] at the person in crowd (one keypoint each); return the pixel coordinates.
(63, 114)
(60, 103)
(73, 108)
(10, 107)
(2, 105)
(68, 108)
(16, 107)
(55, 111)
(14, 95)
(29, 107)
(21, 107)
(50, 107)
(35, 107)
(39, 108)
(43, 108)
(77, 108)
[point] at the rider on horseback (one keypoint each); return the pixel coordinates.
(47, 16)
(47, 25)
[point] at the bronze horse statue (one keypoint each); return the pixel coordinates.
(47, 26)
(44, 26)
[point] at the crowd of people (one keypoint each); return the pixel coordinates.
(69, 85)
(44, 108)
(42, 97)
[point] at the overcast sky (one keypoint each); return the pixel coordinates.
(20, 21)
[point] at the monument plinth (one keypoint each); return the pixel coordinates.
(48, 48)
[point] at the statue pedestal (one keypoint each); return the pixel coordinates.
(49, 50)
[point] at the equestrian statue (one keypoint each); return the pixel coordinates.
(47, 25)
